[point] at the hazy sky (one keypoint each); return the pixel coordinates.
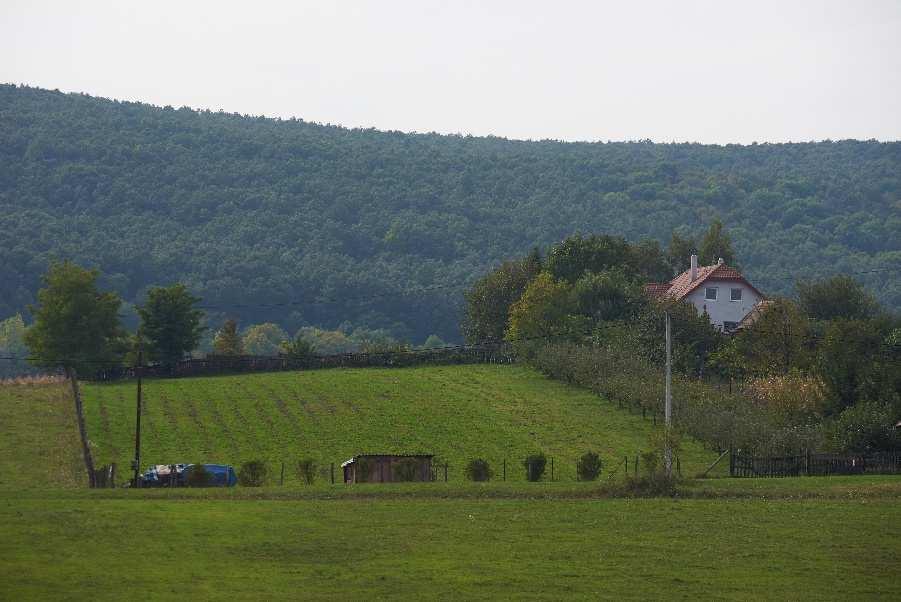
(713, 71)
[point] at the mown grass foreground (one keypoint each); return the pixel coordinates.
(401, 542)
(455, 412)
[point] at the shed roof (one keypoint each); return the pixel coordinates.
(358, 456)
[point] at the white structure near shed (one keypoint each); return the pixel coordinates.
(718, 290)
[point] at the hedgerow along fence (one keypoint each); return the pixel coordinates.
(231, 364)
(556, 469)
(807, 464)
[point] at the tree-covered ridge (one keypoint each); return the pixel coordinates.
(313, 220)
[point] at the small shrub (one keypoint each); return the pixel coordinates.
(654, 482)
(405, 469)
(653, 485)
(589, 467)
(198, 476)
(306, 471)
(479, 470)
(535, 465)
(253, 474)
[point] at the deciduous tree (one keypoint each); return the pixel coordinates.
(75, 325)
(170, 324)
(227, 341)
(716, 245)
(836, 297)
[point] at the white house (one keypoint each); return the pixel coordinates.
(717, 290)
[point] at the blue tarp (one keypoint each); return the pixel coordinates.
(161, 475)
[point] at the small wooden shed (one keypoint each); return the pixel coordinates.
(388, 468)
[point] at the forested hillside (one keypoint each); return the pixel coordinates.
(307, 224)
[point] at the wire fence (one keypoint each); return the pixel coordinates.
(295, 473)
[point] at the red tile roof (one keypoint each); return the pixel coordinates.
(682, 285)
(754, 314)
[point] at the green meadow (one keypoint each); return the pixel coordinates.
(833, 538)
(225, 545)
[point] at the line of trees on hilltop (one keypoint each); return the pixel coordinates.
(78, 326)
(820, 370)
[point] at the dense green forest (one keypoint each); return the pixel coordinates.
(304, 224)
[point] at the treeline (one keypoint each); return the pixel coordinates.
(306, 225)
(818, 371)
(78, 326)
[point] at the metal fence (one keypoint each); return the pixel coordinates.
(746, 465)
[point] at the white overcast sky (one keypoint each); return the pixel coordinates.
(711, 71)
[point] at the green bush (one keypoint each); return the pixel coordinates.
(656, 484)
(198, 476)
(535, 465)
(306, 471)
(479, 470)
(863, 428)
(253, 474)
(589, 466)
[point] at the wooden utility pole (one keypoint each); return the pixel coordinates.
(82, 428)
(668, 407)
(138, 371)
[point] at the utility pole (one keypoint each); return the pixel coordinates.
(668, 408)
(138, 370)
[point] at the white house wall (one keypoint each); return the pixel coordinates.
(724, 309)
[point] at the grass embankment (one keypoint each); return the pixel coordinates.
(39, 444)
(455, 412)
(89, 544)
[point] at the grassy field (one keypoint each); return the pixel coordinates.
(39, 444)
(250, 545)
(455, 412)
(809, 538)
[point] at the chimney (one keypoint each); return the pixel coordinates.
(720, 262)
(694, 268)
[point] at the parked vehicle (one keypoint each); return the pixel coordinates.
(178, 475)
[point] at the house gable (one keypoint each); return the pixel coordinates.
(719, 290)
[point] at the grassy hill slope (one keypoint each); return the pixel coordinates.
(39, 444)
(457, 413)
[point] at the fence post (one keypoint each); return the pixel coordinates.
(731, 461)
(445, 472)
(333, 473)
(282, 479)
(552, 469)
(505, 469)
(627, 465)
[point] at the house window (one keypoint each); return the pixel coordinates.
(710, 294)
(736, 294)
(730, 326)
